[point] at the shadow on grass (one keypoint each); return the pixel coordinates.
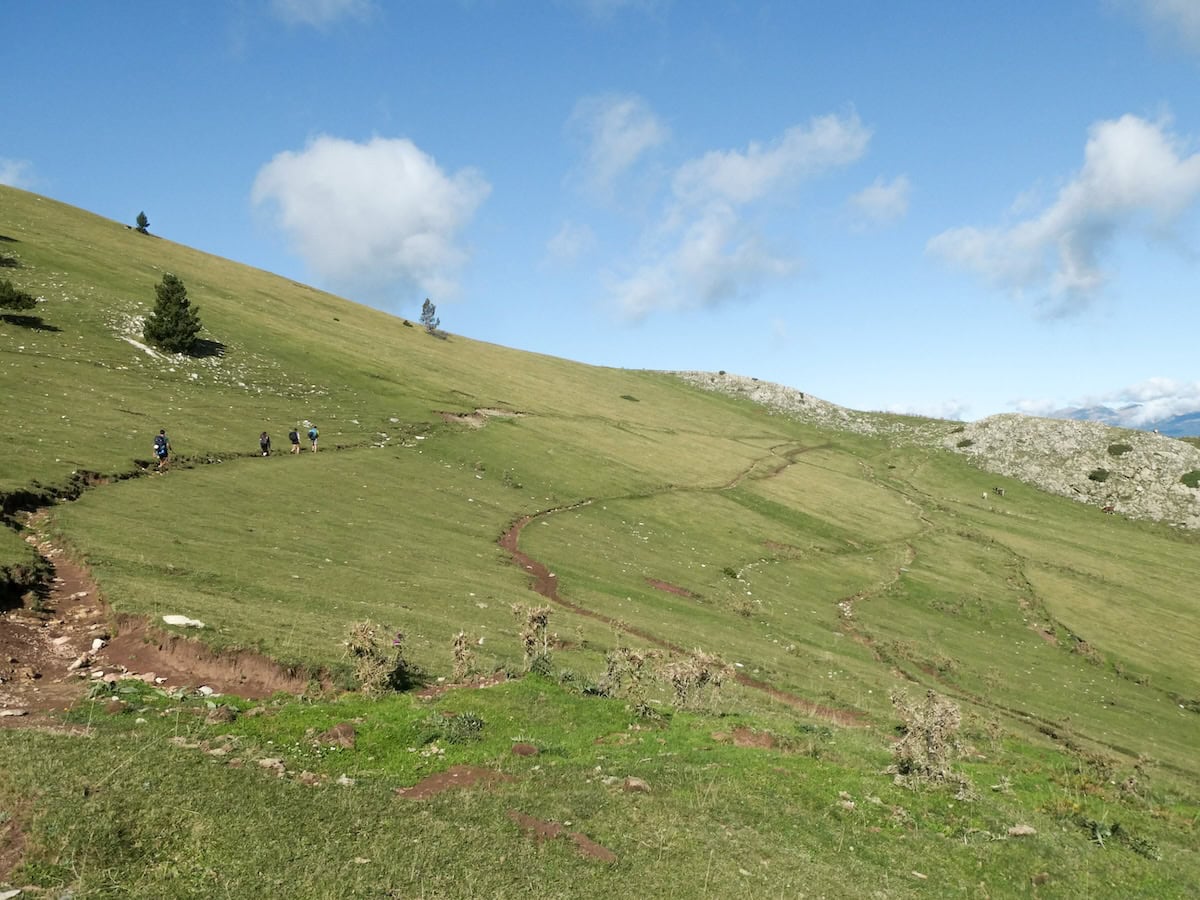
(204, 349)
(34, 323)
(8, 240)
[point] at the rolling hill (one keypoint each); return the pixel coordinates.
(754, 610)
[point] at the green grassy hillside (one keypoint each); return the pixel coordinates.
(829, 569)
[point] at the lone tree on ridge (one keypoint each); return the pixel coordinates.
(143, 224)
(429, 317)
(175, 323)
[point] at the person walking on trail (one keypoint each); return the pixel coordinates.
(294, 437)
(162, 449)
(313, 434)
(264, 443)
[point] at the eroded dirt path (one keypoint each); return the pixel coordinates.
(50, 654)
(545, 583)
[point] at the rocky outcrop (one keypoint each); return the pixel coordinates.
(1134, 473)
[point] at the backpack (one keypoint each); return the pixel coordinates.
(312, 434)
(160, 444)
(294, 436)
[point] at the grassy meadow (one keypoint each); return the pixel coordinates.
(829, 570)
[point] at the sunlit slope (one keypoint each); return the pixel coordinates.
(830, 566)
(80, 395)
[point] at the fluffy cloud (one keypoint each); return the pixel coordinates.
(1134, 176)
(703, 253)
(882, 202)
(372, 216)
(1156, 398)
(618, 130)
(740, 177)
(318, 13)
(16, 173)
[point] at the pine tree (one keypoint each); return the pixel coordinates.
(143, 224)
(429, 317)
(13, 298)
(174, 324)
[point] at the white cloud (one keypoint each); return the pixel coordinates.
(703, 252)
(1178, 19)
(372, 216)
(16, 173)
(1156, 398)
(318, 13)
(744, 176)
(569, 243)
(883, 202)
(1135, 176)
(618, 130)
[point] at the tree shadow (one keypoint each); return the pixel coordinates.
(204, 349)
(8, 240)
(34, 323)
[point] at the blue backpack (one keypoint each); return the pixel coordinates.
(160, 445)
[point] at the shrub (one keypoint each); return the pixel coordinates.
(14, 298)
(7, 261)
(688, 677)
(923, 755)
(1099, 475)
(143, 224)
(535, 640)
(1192, 478)
(965, 442)
(1119, 449)
(175, 323)
(377, 670)
(464, 656)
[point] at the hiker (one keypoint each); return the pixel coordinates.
(162, 449)
(294, 437)
(313, 434)
(264, 443)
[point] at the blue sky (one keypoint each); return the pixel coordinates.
(955, 209)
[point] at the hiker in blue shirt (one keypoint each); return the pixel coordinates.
(162, 449)
(313, 434)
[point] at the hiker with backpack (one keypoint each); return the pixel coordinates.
(313, 434)
(162, 449)
(264, 443)
(294, 437)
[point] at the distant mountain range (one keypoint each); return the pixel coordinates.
(1183, 425)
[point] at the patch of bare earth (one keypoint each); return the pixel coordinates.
(50, 654)
(454, 777)
(479, 417)
(544, 831)
(745, 737)
(671, 588)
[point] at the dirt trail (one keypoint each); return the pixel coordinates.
(545, 583)
(47, 660)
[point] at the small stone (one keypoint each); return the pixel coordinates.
(345, 781)
(82, 661)
(97, 643)
(1021, 831)
(635, 786)
(7, 713)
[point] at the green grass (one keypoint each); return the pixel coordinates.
(832, 567)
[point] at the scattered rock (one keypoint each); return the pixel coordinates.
(1021, 831)
(81, 662)
(183, 621)
(7, 713)
(221, 715)
(340, 735)
(635, 786)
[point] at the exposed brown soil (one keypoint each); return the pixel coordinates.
(454, 777)
(479, 417)
(47, 660)
(671, 588)
(544, 831)
(12, 842)
(545, 583)
(434, 691)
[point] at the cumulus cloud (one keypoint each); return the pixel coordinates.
(569, 243)
(1179, 19)
(16, 173)
(372, 216)
(703, 251)
(1135, 175)
(1155, 398)
(618, 130)
(318, 13)
(881, 203)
